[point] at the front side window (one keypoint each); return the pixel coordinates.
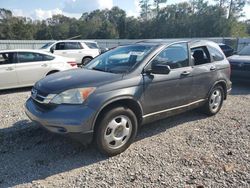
(47, 45)
(120, 60)
(6, 58)
(175, 56)
(60, 46)
(25, 57)
(216, 54)
(201, 55)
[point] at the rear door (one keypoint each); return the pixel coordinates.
(31, 67)
(166, 91)
(8, 76)
(204, 71)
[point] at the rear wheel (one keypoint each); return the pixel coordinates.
(85, 61)
(116, 131)
(215, 101)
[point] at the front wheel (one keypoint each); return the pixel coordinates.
(215, 101)
(116, 131)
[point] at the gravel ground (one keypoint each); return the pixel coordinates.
(188, 150)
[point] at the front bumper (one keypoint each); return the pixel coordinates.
(72, 120)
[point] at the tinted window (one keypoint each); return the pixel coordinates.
(216, 54)
(24, 57)
(6, 58)
(225, 47)
(245, 51)
(60, 46)
(201, 55)
(92, 45)
(121, 59)
(72, 45)
(176, 56)
(47, 45)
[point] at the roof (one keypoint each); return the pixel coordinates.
(192, 42)
(26, 50)
(76, 41)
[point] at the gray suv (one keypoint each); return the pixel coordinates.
(129, 86)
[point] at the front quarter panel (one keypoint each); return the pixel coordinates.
(131, 88)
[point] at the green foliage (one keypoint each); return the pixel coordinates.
(195, 18)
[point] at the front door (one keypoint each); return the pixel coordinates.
(166, 91)
(8, 77)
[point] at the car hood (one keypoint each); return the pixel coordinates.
(239, 58)
(77, 78)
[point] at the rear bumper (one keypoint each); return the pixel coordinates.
(72, 120)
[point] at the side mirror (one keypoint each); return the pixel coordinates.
(160, 69)
(51, 50)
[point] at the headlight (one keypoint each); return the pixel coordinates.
(73, 96)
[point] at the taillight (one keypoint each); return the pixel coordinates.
(72, 63)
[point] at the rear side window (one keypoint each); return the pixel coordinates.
(201, 55)
(47, 57)
(175, 56)
(92, 45)
(216, 54)
(25, 57)
(7, 58)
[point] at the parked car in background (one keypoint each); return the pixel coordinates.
(128, 86)
(227, 50)
(21, 68)
(240, 64)
(82, 51)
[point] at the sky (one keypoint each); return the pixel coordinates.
(42, 9)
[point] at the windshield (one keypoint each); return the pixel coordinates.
(120, 60)
(245, 51)
(47, 45)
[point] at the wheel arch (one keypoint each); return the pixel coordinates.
(221, 83)
(128, 102)
(52, 71)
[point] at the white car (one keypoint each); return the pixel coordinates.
(21, 68)
(82, 51)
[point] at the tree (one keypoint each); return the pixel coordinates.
(157, 6)
(145, 9)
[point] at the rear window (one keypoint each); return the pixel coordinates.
(92, 45)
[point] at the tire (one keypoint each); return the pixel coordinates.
(116, 131)
(215, 101)
(85, 61)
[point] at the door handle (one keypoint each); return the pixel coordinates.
(44, 65)
(185, 73)
(10, 69)
(213, 68)
(64, 52)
